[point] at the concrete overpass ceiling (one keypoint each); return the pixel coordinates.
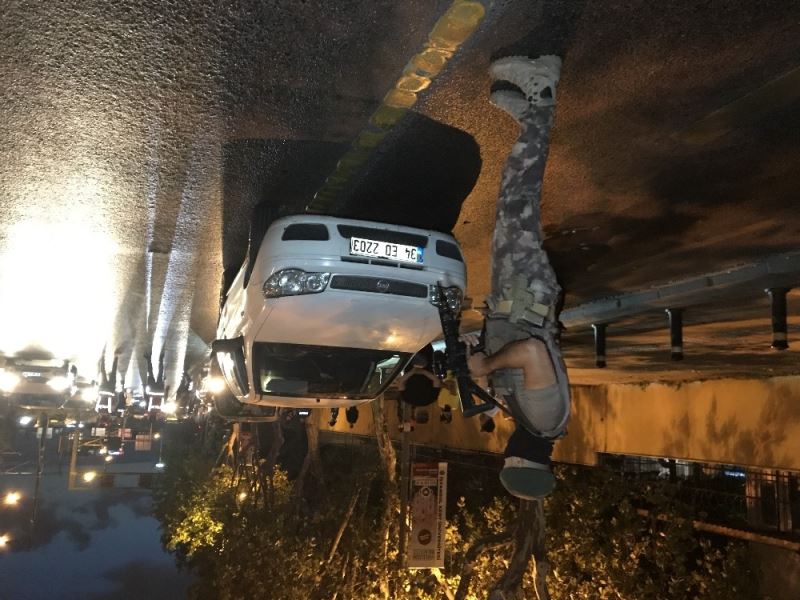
(675, 150)
(137, 136)
(675, 138)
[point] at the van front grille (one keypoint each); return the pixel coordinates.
(379, 285)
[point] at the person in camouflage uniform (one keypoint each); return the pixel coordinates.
(523, 357)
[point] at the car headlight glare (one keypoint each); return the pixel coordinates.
(453, 296)
(59, 383)
(8, 380)
(294, 282)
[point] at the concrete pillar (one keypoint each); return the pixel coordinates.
(779, 328)
(599, 344)
(675, 316)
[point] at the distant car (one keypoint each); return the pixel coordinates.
(84, 394)
(37, 382)
(137, 404)
(329, 311)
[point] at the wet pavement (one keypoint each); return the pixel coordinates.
(87, 539)
(125, 147)
(137, 137)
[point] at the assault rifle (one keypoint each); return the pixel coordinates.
(456, 359)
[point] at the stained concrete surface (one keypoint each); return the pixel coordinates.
(136, 137)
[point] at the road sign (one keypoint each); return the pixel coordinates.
(428, 515)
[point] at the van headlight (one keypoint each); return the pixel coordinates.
(293, 282)
(452, 295)
(8, 380)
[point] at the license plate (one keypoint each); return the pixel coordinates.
(387, 250)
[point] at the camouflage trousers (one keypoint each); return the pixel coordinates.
(517, 243)
(519, 265)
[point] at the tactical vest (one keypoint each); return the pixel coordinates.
(530, 312)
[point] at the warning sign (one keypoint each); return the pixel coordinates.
(428, 515)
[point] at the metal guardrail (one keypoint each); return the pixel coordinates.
(777, 270)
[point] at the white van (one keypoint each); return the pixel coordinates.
(331, 310)
(37, 382)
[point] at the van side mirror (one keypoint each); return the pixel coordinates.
(232, 362)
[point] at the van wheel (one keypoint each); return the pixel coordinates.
(263, 216)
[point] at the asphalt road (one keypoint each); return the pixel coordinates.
(135, 138)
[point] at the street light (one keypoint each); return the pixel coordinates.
(12, 498)
(4, 540)
(89, 476)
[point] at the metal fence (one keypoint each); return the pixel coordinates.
(758, 499)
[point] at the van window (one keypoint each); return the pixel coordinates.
(324, 371)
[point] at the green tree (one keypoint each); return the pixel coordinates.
(343, 544)
(601, 545)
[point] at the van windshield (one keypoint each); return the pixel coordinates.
(324, 371)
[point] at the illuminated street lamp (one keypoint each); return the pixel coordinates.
(156, 436)
(12, 498)
(242, 496)
(4, 540)
(89, 476)
(109, 459)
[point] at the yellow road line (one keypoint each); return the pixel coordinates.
(452, 29)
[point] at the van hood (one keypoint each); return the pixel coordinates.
(335, 318)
